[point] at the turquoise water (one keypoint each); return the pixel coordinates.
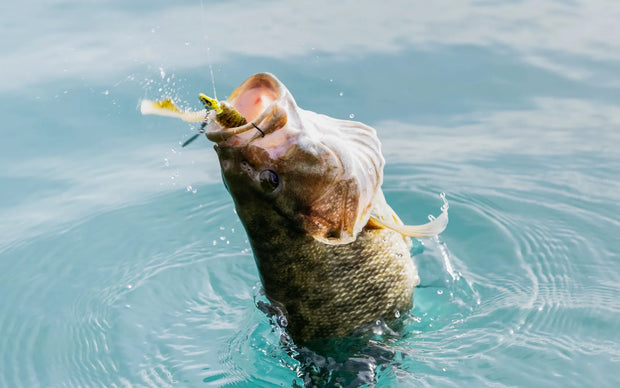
(122, 262)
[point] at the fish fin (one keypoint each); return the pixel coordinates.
(169, 109)
(430, 229)
(380, 219)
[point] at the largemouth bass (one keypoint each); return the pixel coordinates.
(307, 187)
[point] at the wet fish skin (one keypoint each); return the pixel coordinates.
(329, 291)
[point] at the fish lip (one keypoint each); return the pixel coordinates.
(263, 123)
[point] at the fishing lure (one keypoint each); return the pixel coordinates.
(224, 113)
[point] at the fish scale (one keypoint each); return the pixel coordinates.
(368, 279)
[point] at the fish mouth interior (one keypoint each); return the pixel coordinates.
(257, 99)
(255, 95)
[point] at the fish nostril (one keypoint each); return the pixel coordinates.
(245, 166)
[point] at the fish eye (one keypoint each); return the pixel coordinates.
(269, 180)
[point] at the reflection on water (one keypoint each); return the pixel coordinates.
(567, 38)
(122, 262)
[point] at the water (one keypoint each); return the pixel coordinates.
(122, 262)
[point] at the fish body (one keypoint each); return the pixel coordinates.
(325, 289)
(331, 253)
(331, 290)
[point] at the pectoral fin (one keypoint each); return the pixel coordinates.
(430, 229)
(169, 109)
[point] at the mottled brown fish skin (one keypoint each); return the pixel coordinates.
(326, 290)
(331, 290)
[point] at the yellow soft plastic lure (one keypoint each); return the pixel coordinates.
(169, 109)
(225, 114)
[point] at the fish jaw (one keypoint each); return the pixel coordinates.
(264, 102)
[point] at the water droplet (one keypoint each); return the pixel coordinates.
(445, 205)
(189, 188)
(439, 292)
(341, 94)
(351, 116)
(129, 286)
(397, 314)
(187, 43)
(222, 238)
(222, 228)
(162, 73)
(106, 92)
(378, 322)
(166, 162)
(331, 80)
(214, 243)
(431, 217)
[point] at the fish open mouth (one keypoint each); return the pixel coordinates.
(254, 95)
(257, 100)
(258, 107)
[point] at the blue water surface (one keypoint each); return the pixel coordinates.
(123, 263)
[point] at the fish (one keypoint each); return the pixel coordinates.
(331, 253)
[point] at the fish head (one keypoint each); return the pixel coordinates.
(294, 171)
